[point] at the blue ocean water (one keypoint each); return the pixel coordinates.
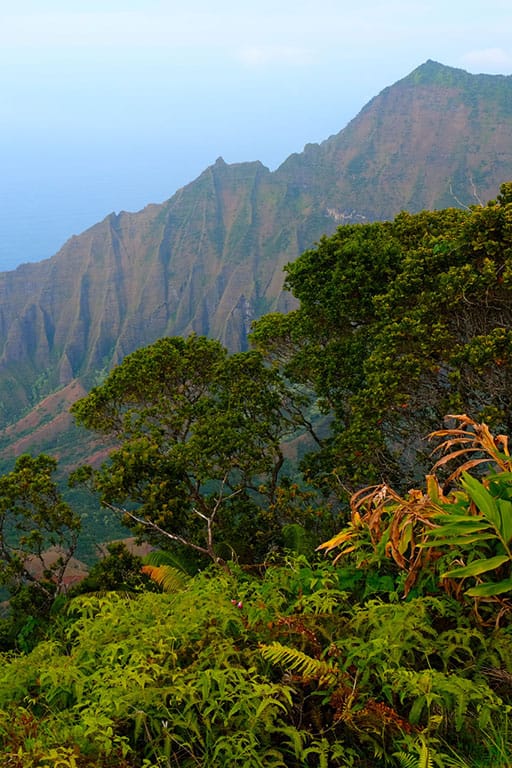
(37, 216)
(46, 200)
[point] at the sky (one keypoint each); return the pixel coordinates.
(109, 105)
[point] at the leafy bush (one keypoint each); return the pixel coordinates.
(282, 668)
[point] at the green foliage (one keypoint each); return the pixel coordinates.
(400, 323)
(479, 525)
(293, 659)
(159, 676)
(279, 669)
(38, 537)
(423, 759)
(198, 437)
(33, 518)
(119, 569)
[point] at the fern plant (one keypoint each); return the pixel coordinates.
(423, 757)
(296, 661)
(170, 579)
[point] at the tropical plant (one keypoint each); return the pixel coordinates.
(387, 526)
(427, 533)
(165, 570)
(479, 523)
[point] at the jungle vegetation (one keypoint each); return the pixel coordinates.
(349, 609)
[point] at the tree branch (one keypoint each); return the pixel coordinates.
(209, 552)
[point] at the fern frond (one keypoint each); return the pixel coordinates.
(297, 661)
(406, 760)
(424, 758)
(169, 578)
(162, 557)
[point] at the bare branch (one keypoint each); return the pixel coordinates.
(155, 527)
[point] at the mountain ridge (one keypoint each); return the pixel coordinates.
(210, 259)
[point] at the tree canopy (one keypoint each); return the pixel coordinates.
(38, 537)
(399, 324)
(198, 439)
(33, 518)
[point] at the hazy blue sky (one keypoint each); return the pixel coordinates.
(108, 105)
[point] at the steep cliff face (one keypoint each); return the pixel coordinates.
(440, 137)
(211, 258)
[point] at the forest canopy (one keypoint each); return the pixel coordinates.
(198, 435)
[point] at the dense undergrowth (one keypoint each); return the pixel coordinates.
(305, 664)
(396, 653)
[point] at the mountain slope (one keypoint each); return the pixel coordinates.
(437, 138)
(210, 259)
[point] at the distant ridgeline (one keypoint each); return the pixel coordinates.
(210, 259)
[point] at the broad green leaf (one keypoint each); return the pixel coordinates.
(460, 529)
(489, 590)
(501, 476)
(485, 502)
(456, 541)
(416, 710)
(477, 567)
(449, 518)
(406, 537)
(505, 509)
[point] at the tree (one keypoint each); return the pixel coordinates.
(198, 435)
(38, 537)
(400, 323)
(33, 519)
(117, 570)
